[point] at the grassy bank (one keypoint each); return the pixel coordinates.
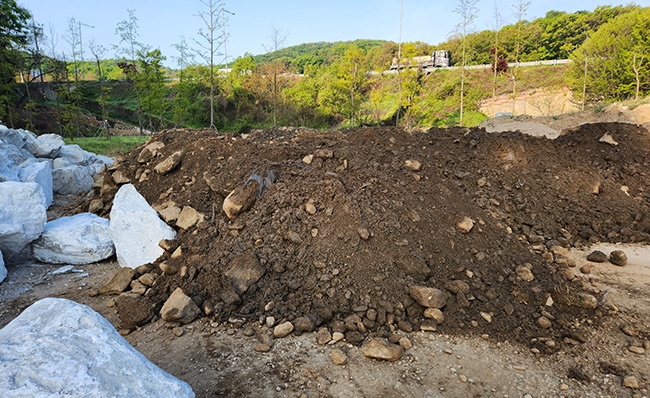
(115, 146)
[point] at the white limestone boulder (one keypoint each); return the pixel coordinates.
(3, 269)
(8, 169)
(72, 179)
(41, 174)
(45, 146)
(136, 229)
(22, 215)
(57, 347)
(80, 239)
(18, 138)
(74, 154)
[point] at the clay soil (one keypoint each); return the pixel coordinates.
(351, 223)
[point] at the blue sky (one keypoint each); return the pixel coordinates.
(163, 22)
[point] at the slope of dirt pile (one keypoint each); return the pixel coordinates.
(353, 222)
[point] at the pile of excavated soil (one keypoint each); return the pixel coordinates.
(349, 225)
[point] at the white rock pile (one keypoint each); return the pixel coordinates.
(57, 347)
(32, 169)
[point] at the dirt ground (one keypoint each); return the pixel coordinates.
(350, 225)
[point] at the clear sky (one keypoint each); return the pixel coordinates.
(163, 22)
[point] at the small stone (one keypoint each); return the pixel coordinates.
(169, 164)
(457, 286)
(462, 378)
(428, 297)
(283, 330)
(597, 257)
(487, 317)
(631, 382)
(544, 322)
(564, 387)
(262, 347)
(524, 273)
(303, 325)
(586, 300)
(466, 225)
(323, 336)
(413, 165)
(338, 357)
(324, 153)
(637, 350)
(381, 349)
(337, 336)
(405, 343)
(568, 274)
(179, 308)
(618, 257)
(308, 159)
(481, 182)
(137, 287)
(178, 331)
(270, 321)
(148, 279)
(363, 233)
(629, 330)
(587, 268)
(310, 208)
(95, 206)
(435, 314)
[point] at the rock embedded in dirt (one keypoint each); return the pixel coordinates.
(525, 273)
(179, 308)
(379, 348)
(150, 151)
(240, 200)
(465, 225)
(119, 282)
(303, 325)
(169, 164)
(243, 271)
(428, 297)
(136, 229)
(188, 217)
(435, 314)
(586, 300)
(323, 336)
(413, 165)
(283, 330)
(618, 257)
(631, 382)
(56, 345)
(597, 257)
(133, 310)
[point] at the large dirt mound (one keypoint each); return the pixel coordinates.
(352, 223)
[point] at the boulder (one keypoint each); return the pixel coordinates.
(3, 269)
(72, 179)
(17, 138)
(136, 229)
(8, 169)
(74, 154)
(22, 215)
(45, 146)
(41, 174)
(179, 308)
(80, 239)
(58, 347)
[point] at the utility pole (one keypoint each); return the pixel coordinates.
(81, 48)
(225, 36)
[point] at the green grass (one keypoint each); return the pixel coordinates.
(115, 146)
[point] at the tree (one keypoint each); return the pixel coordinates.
(467, 11)
(275, 68)
(99, 51)
(520, 10)
(151, 84)
(352, 72)
(127, 31)
(212, 41)
(13, 34)
(498, 22)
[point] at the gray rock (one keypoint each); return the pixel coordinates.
(45, 146)
(136, 229)
(72, 180)
(17, 138)
(41, 174)
(618, 257)
(303, 325)
(57, 347)
(382, 349)
(74, 154)
(179, 308)
(8, 169)
(428, 297)
(22, 215)
(80, 239)
(3, 269)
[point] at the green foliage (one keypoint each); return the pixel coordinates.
(117, 145)
(13, 34)
(616, 59)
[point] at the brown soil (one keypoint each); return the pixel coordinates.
(527, 195)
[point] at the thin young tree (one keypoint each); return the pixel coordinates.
(98, 51)
(520, 10)
(73, 40)
(211, 41)
(127, 31)
(277, 38)
(467, 11)
(498, 23)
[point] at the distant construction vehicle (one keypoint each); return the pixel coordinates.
(439, 59)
